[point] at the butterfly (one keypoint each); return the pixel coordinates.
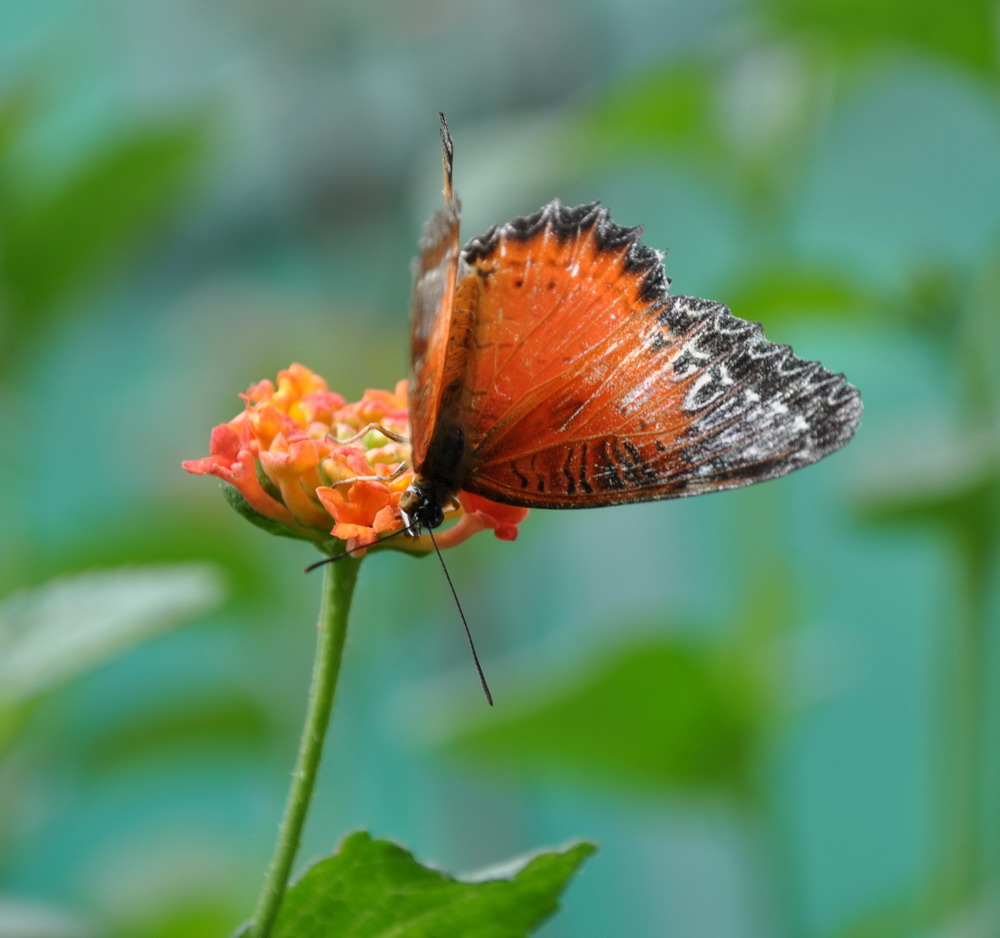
(551, 368)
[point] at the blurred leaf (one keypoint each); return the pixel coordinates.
(964, 506)
(13, 718)
(14, 109)
(747, 121)
(19, 919)
(927, 908)
(666, 107)
(376, 889)
(783, 293)
(979, 343)
(58, 234)
(933, 293)
(963, 32)
(231, 720)
(955, 481)
(55, 631)
(972, 502)
(184, 919)
(174, 531)
(668, 713)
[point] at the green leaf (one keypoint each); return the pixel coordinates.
(742, 123)
(223, 720)
(59, 234)
(955, 483)
(50, 634)
(783, 293)
(661, 108)
(972, 504)
(184, 917)
(376, 889)
(14, 110)
(963, 32)
(661, 713)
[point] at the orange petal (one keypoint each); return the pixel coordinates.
(361, 503)
(503, 519)
(388, 519)
(241, 473)
(294, 469)
(357, 535)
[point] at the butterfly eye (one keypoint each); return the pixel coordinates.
(433, 516)
(429, 511)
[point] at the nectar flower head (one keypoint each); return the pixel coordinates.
(301, 462)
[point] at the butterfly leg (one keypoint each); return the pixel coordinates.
(395, 474)
(388, 434)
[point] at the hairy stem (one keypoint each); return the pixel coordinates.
(338, 587)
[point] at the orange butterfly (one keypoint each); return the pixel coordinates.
(551, 369)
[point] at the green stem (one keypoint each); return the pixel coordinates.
(338, 587)
(965, 812)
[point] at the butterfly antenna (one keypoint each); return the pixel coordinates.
(347, 553)
(447, 157)
(468, 634)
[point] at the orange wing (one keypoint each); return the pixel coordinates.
(579, 382)
(431, 307)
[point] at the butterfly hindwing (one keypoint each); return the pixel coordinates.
(581, 383)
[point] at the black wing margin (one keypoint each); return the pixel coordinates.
(755, 411)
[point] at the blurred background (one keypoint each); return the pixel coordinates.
(776, 710)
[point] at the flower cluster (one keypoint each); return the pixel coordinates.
(300, 461)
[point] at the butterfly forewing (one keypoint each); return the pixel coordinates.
(434, 273)
(584, 384)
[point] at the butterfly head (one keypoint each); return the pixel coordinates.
(422, 506)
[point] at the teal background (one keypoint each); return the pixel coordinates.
(774, 709)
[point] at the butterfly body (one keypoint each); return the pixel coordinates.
(552, 369)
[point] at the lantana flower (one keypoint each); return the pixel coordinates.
(301, 462)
